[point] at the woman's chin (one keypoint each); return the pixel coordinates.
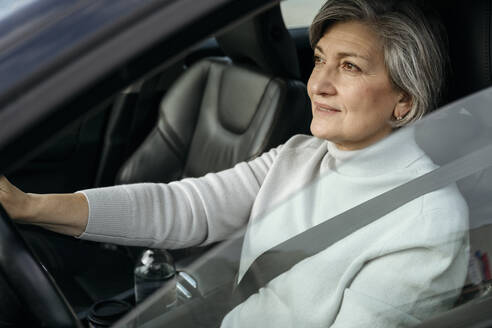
(321, 132)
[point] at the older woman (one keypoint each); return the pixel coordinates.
(378, 66)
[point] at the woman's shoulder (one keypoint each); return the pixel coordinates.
(294, 151)
(446, 205)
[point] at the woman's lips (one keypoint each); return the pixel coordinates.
(326, 108)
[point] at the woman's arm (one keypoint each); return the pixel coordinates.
(190, 212)
(62, 213)
(175, 215)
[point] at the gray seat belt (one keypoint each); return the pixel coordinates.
(282, 257)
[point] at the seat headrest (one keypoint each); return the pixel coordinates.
(263, 42)
(468, 25)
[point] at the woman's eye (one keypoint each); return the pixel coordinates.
(350, 67)
(317, 60)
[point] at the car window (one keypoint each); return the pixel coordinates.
(454, 138)
(461, 227)
(299, 13)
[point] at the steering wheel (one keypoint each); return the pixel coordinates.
(30, 281)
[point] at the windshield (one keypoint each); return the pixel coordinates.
(455, 142)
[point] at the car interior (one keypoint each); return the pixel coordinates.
(236, 97)
(228, 100)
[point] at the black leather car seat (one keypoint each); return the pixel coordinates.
(132, 115)
(225, 110)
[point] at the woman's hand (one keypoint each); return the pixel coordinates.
(62, 213)
(14, 200)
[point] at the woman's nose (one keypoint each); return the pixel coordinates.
(321, 82)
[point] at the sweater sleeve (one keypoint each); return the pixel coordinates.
(190, 212)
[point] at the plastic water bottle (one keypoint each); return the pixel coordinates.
(154, 268)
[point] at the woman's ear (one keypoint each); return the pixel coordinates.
(403, 105)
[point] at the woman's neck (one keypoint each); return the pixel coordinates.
(390, 153)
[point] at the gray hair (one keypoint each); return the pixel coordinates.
(414, 46)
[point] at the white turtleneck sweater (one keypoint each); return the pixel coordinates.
(390, 273)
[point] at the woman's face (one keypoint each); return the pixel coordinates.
(351, 94)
